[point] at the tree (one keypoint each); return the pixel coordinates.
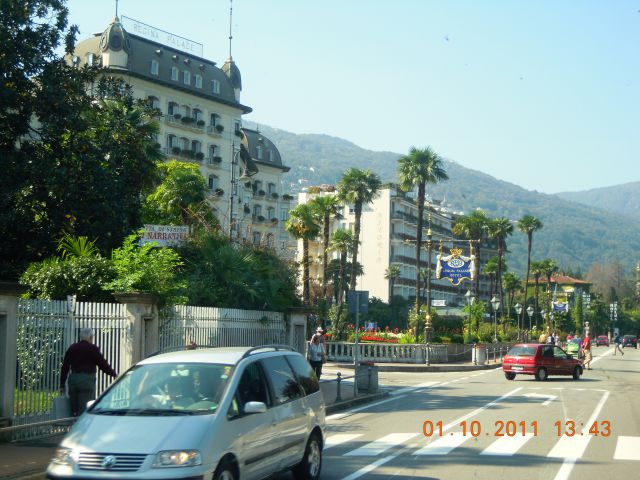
(511, 284)
(326, 208)
(392, 273)
(342, 241)
(500, 229)
(548, 267)
(180, 196)
(528, 225)
(472, 226)
(419, 168)
(490, 269)
(358, 187)
(537, 271)
(302, 225)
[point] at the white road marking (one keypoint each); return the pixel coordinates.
(457, 421)
(572, 458)
(444, 445)
(381, 445)
(627, 448)
(371, 466)
(507, 446)
(550, 398)
(335, 440)
(570, 447)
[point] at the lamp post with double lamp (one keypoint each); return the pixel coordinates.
(530, 312)
(470, 300)
(586, 305)
(246, 175)
(495, 303)
(518, 309)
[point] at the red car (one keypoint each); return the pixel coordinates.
(602, 340)
(541, 361)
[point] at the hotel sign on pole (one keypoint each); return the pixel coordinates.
(165, 235)
(143, 30)
(455, 267)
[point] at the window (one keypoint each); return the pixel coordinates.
(90, 59)
(284, 214)
(154, 102)
(271, 213)
(172, 141)
(154, 67)
(213, 182)
(257, 210)
(285, 385)
(186, 78)
(305, 374)
(198, 81)
(174, 73)
(269, 156)
(186, 111)
(196, 146)
(185, 143)
(259, 152)
(213, 151)
(197, 114)
(257, 186)
(256, 238)
(214, 119)
(215, 86)
(251, 388)
(237, 126)
(173, 108)
(271, 187)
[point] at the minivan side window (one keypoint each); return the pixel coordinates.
(283, 382)
(251, 388)
(304, 372)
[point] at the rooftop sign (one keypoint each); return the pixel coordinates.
(140, 29)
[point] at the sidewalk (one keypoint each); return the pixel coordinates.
(29, 460)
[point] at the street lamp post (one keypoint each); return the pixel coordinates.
(246, 175)
(518, 309)
(470, 300)
(530, 312)
(586, 304)
(613, 316)
(495, 303)
(428, 328)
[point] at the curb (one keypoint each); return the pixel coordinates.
(423, 368)
(336, 407)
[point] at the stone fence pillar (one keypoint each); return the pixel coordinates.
(142, 309)
(9, 295)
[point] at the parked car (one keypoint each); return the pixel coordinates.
(629, 341)
(573, 346)
(221, 414)
(602, 340)
(540, 360)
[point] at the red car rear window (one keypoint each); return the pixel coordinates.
(522, 351)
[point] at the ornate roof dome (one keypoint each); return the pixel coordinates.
(115, 38)
(232, 71)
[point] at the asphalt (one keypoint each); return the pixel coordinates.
(28, 460)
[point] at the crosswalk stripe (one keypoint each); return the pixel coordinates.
(335, 440)
(381, 445)
(507, 446)
(443, 445)
(627, 448)
(570, 447)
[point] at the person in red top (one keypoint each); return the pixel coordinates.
(79, 365)
(586, 348)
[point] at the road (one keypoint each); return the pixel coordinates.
(386, 440)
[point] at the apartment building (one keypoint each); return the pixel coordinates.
(201, 122)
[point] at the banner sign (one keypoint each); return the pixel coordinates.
(455, 267)
(560, 306)
(165, 235)
(358, 301)
(160, 36)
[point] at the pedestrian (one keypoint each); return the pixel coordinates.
(191, 345)
(316, 355)
(617, 340)
(320, 334)
(586, 349)
(79, 365)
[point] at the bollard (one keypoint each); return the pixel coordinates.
(339, 379)
(474, 355)
(369, 380)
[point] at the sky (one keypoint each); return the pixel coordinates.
(544, 94)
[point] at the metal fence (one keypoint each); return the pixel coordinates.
(219, 327)
(45, 329)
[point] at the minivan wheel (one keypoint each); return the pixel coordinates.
(225, 471)
(309, 467)
(576, 373)
(541, 374)
(509, 375)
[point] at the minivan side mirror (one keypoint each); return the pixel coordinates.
(255, 407)
(89, 403)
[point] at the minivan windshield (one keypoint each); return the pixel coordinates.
(165, 389)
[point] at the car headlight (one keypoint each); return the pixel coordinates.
(177, 458)
(63, 457)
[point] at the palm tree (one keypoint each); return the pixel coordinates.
(537, 272)
(342, 241)
(302, 225)
(548, 267)
(392, 273)
(528, 224)
(512, 284)
(420, 167)
(472, 226)
(490, 269)
(326, 208)
(500, 229)
(358, 187)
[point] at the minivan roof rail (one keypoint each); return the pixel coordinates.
(262, 347)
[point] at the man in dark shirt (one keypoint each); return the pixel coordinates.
(82, 358)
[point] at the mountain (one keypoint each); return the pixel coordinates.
(574, 235)
(623, 199)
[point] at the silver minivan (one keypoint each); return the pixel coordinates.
(222, 414)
